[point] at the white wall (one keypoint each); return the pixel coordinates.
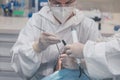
(103, 5)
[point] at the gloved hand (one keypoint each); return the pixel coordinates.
(68, 62)
(74, 50)
(45, 40)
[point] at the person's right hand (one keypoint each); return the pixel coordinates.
(45, 40)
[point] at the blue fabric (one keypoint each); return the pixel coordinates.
(66, 74)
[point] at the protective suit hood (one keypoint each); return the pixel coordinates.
(75, 20)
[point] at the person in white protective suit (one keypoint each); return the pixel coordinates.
(101, 59)
(35, 51)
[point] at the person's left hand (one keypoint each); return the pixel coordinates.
(74, 50)
(68, 62)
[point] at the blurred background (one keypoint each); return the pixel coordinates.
(15, 13)
(33, 5)
(102, 5)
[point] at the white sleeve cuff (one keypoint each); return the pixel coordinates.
(95, 58)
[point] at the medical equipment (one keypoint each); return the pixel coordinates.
(57, 67)
(64, 42)
(75, 39)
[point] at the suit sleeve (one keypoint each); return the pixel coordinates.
(103, 58)
(25, 60)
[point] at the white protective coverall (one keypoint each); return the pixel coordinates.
(103, 58)
(27, 63)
